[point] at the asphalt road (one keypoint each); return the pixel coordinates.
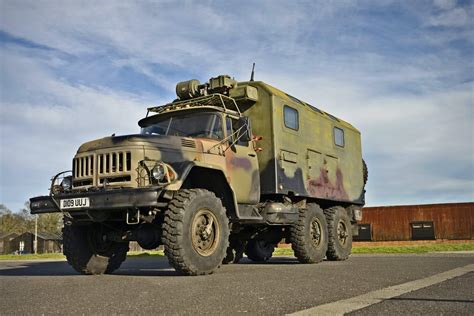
(281, 286)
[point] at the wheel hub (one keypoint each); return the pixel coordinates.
(205, 232)
(342, 232)
(316, 232)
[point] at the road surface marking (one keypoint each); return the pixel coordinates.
(358, 302)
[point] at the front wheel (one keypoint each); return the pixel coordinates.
(309, 235)
(88, 252)
(195, 232)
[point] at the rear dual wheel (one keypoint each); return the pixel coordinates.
(339, 233)
(309, 235)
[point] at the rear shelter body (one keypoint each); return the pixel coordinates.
(307, 153)
(225, 169)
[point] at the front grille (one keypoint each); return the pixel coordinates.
(83, 166)
(102, 169)
(114, 162)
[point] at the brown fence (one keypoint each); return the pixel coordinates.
(409, 222)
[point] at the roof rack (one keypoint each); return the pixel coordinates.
(212, 100)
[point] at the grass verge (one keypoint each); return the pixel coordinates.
(414, 248)
(422, 248)
(33, 256)
(355, 250)
(145, 254)
(280, 251)
(45, 256)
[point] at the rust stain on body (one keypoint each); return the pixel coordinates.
(234, 162)
(323, 188)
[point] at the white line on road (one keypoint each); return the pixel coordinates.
(348, 305)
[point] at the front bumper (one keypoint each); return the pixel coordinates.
(113, 200)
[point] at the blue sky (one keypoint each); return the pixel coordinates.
(400, 71)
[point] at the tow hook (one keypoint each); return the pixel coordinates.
(133, 217)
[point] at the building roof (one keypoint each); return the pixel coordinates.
(47, 235)
(5, 235)
(41, 235)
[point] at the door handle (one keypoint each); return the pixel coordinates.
(252, 155)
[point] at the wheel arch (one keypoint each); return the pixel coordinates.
(204, 176)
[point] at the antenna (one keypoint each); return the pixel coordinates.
(253, 68)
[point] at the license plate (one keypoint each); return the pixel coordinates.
(74, 203)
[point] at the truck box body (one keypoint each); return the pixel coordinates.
(300, 155)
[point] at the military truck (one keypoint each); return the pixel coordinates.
(225, 169)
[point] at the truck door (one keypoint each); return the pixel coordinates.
(315, 163)
(242, 164)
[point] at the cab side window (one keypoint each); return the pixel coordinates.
(232, 127)
(216, 129)
(291, 117)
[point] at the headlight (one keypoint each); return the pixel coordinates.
(67, 183)
(158, 172)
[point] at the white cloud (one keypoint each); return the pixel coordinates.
(406, 91)
(42, 130)
(445, 4)
(415, 144)
(453, 18)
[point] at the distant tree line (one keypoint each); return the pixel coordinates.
(23, 221)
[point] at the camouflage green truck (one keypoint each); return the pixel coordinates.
(227, 168)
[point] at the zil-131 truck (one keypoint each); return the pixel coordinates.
(225, 169)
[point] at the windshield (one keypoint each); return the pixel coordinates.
(206, 125)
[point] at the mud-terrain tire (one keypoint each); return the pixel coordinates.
(365, 171)
(87, 255)
(339, 233)
(259, 250)
(309, 235)
(195, 232)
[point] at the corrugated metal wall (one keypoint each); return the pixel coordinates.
(451, 221)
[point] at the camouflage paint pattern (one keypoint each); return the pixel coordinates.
(304, 162)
